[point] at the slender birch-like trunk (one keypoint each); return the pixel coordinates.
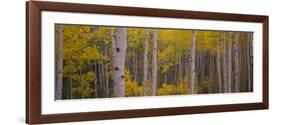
(113, 49)
(236, 69)
(229, 63)
(218, 64)
(133, 64)
(99, 74)
(137, 73)
(106, 73)
(145, 61)
(192, 81)
(210, 73)
(154, 64)
(180, 70)
(224, 65)
(187, 71)
(59, 64)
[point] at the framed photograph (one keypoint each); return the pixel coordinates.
(93, 62)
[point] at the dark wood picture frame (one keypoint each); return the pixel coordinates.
(33, 61)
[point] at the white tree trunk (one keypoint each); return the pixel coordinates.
(236, 70)
(145, 61)
(229, 62)
(218, 64)
(192, 81)
(59, 63)
(119, 47)
(180, 70)
(106, 73)
(224, 65)
(154, 64)
(113, 49)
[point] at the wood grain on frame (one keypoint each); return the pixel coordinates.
(33, 61)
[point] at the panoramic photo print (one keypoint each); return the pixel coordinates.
(109, 61)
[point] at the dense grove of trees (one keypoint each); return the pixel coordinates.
(102, 62)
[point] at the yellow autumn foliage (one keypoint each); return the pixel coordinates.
(131, 87)
(169, 89)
